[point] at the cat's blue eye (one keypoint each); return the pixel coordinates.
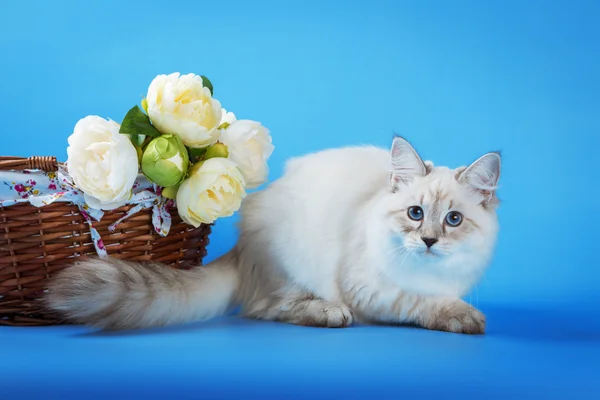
(454, 218)
(415, 213)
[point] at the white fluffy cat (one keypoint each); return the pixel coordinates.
(347, 234)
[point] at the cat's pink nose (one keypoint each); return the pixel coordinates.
(429, 241)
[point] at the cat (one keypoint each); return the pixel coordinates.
(363, 234)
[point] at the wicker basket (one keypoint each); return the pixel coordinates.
(35, 243)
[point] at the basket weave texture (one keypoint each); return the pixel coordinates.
(37, 242)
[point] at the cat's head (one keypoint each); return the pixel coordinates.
(439, 213)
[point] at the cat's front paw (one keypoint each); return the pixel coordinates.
(323, 314)
(458, 317)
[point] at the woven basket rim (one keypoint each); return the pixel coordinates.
(44, 163)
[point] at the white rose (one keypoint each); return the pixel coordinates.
(183, 106)
(212, 191)
(227, 117)
(249, 145)
(102, 162)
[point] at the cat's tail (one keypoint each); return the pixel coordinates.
(117, 295)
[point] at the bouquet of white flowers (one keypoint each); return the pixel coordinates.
(115, 195)
(183, 141)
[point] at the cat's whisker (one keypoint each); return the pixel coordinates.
(403, 257)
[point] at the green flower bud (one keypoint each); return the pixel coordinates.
(145, 105)
(216, 150)
(170, 192)
(165, 160)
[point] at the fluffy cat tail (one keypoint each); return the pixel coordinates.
(116, 295)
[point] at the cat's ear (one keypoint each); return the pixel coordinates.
(406, 163)
(483, 175)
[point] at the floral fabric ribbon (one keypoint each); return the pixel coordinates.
(40, 188)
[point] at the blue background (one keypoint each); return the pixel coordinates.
(456, 78)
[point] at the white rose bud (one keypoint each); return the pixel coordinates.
(249, 145)
(102, 162)
(181, 105)
(214, 189)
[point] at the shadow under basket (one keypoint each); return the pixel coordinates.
(38, 242)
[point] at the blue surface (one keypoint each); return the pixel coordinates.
(535, 354)
(457, 78)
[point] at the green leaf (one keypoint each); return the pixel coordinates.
(195, 167)
(196, 154)
(207, 83)
(137, 140)
(137, 123)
